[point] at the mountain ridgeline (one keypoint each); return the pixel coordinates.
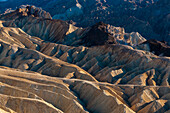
(52, 66)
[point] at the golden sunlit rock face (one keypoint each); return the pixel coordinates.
(50, 66)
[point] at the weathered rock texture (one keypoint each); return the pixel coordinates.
(50, 66)
(61, 32)
(151, 18)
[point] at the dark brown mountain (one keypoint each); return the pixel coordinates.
(158, 48)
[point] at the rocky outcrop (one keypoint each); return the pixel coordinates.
(157, 47)
(98, 35)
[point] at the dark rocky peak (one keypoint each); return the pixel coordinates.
(98, 35)
(158, 47)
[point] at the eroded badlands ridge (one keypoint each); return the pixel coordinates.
(51, 66)
(148, 17)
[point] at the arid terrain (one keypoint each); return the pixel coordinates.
(52, 66)
(151, 18)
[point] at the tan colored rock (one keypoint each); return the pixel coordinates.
(45, 67)
(142, 98)
(155, 106)
(97, 100)
(24, 105)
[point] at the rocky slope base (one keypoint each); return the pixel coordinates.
(51, 66)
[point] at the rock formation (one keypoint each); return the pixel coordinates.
(157, 47)
(52, 66)
(148, 17)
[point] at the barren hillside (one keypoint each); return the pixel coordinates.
(51, 66)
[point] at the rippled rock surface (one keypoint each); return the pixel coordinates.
(51, 66)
